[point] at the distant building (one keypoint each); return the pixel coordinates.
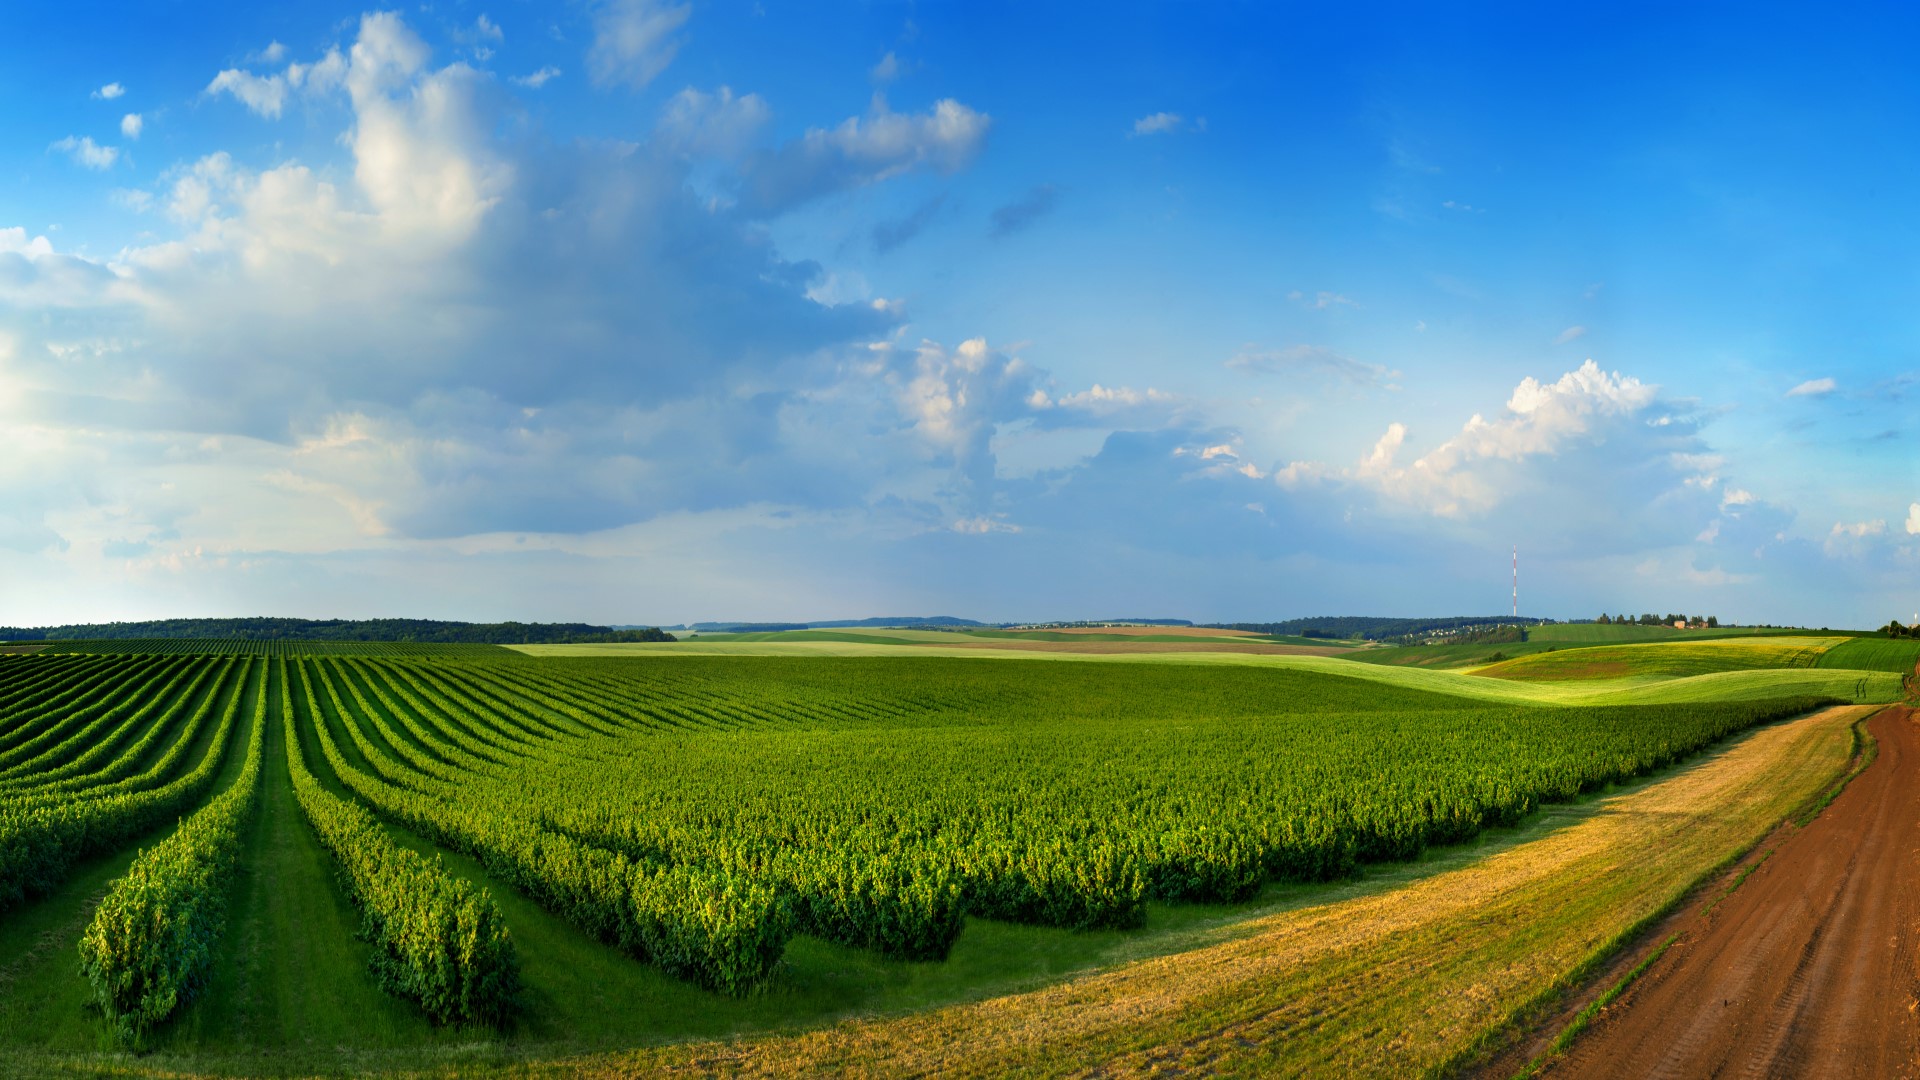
(1679, 624)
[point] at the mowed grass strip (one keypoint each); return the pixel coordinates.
(1398, 984)
(1664, 660)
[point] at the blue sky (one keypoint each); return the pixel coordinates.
(635, 311)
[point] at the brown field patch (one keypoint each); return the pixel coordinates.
(1808, 967)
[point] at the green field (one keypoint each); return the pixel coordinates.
(249, 647)
(684, 841)
(885, 636)
(1874, 654)
(1664, 660)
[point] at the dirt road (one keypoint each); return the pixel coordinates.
(1808, 968)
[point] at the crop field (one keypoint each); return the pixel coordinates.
(1665, 660)
(1874, 654)
(244, 647)
(413, 851)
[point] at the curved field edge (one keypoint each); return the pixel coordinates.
(1442, 963)
(1860, 687)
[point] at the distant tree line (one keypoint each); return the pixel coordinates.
(1897, 629)
(430, 631)
(1375, 629)
(1650, 619)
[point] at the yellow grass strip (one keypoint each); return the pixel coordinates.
(1393, 984)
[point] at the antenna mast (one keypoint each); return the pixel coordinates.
(1516, 581)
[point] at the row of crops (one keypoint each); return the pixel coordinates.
(698, 812)
(250, 647)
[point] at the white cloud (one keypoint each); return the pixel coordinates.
(1571, 333)
(1852, 538)
(264, 95)
(716, 124)
(634, 40)
(131, 125)
(537, 79)
(1160, 123)
(14, 242)
(109, 92)
(87, 153)
(1459, 475)
(272, 54)
(1813, 388)
(1913, 520)
(887, 70)
(488, 29)
(1099, 398)
(865, 150)
(267, 95)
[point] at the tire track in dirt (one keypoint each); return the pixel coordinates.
(1809, 967)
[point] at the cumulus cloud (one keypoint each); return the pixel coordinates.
(1813, 388)
(1471, 472)
(634, 40)
(1913, 520)
(1312, 361)
(264, 95)
(109, 92)
(131, 125)
(1023, 212)
(532, 333)
(267, 95)
(864, 150)
(87, 153)
(887, 70)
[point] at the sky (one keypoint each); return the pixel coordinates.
(630, 311)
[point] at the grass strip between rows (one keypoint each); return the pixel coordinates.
(439, 940)
(150, 945)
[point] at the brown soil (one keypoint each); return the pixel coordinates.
(1808, 967)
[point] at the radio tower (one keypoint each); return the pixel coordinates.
(1516, 581)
